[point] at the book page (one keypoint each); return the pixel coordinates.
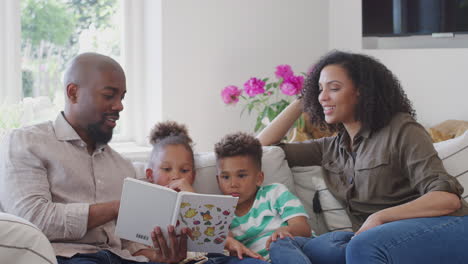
(209, 218)
(144, 206)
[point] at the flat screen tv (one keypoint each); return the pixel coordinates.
(392, 18)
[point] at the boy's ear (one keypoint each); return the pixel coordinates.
(260, 178)
(149, 175)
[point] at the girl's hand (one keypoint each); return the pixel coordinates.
(181, 184)
(280, 233)
(177, 251)
(238, 249)
(372, 221)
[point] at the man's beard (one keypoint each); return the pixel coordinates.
(97, 135)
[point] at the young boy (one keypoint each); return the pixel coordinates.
(263, 213)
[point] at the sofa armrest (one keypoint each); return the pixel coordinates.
(22, 242)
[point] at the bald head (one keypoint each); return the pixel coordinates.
(95, 86)
(87, 65)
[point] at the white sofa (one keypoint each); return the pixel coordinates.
(305, 182)
(23, 242)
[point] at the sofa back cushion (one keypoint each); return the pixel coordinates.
(454, 155)
(274, 166)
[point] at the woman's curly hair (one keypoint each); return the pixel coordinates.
(239, 144)
(380, 92)
(169, 133)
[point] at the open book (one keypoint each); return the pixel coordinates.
(144, 206)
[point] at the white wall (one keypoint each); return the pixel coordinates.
(436, 80)
(209, 44)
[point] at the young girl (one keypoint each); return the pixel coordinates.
(171, 163)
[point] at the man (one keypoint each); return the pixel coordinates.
(63, 177)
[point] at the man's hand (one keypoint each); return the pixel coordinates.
(238, 249)
(281, 233)
(181, 184)
(161, 252)
(102, 213)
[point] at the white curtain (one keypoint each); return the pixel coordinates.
(10, 51)
(142, 47)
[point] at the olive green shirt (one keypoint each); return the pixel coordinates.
(389, 167)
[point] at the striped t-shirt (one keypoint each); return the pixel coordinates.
(274, 205)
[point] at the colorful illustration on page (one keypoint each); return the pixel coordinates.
(207, 221)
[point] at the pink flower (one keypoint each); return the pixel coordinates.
(292, 85)
(283, 71)
(230, 94)
(254, 86)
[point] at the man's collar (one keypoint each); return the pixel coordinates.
(63, 130)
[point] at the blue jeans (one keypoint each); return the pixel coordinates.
(101, 257)
(107, 257)
(420, 240)
(221, 259)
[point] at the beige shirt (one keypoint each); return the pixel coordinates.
(391, 166)
(48, 177)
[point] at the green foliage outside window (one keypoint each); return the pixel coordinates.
(51, 31)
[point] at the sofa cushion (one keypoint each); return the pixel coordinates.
(274, 166)
(309, 183)
(454, 155)
(22, 242)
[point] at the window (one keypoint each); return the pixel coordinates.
(40, 36)
(53, 32)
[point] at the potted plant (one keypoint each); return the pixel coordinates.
(265, 97)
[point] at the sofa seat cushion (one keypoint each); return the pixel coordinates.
(22, 242)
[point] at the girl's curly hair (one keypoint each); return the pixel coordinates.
(169, 133)
(380, 92)
(168, 129)
(239, 144)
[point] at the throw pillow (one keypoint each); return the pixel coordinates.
(326, 212)
(454, 155)
(447, 130)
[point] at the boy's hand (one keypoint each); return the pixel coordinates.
(280, 233)
(238, 249)
(181, 185)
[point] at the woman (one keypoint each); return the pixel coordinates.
(382, 165)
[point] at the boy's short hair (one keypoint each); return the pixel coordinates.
(239, 144)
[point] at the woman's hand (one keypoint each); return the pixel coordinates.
(181, 184)
(164, 254)
(280, 233)
(372, 221)
(238, 249)
(278, 128)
